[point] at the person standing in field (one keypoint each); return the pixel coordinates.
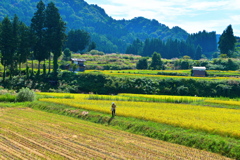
(113, 109)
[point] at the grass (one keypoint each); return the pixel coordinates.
(7, 98)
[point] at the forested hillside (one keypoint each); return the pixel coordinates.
(109, 34)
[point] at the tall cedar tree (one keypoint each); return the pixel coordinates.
(6, 39)
(156, 61)
(227, 41)
(15, 43)
(55, 33)
(24, 44)
(38, 34)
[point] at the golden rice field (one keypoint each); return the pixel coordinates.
(36, 135)
(221, 121)
(229, 102)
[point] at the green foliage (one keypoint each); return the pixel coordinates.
(6, 38)
(25, 94)
(77, 40)
(227, 41)
(55, 33)
(92, 46)
(194, 46)
(142, 63)
(135, 48)
(67, 54)
(182, 90)
(38, 34)
(185, 64)
(7, 98)
(95, 52)
(205, 40)
(156, 63)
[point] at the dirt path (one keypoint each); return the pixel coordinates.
(31, 134)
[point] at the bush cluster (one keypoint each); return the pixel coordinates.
(25, 94)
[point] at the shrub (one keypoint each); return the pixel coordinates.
(182, 90)
(25, 94)
(7, 98)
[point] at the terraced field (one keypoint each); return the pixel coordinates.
(222, 121)
(33, 134)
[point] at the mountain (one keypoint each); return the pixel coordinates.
(109, 34)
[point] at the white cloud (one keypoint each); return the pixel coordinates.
(207, 5)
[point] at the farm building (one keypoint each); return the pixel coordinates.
(79, 65)
(199, 71)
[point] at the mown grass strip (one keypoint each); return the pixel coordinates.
(225, 146)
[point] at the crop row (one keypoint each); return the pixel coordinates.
(147, 98)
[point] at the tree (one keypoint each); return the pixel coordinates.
(142, 64)
(15, 43)
(92, 46)
(227, 41)
(198, 52)
(66, 54)
(55, 33)
(135, 48)
(156, 61)
(23, 51)
(231, 65)
(77, 40)
(38, 34)
(6, 44)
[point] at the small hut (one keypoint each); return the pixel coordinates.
(199, 71)
(80, 64)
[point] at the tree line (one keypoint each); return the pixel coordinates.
(42, 40)
(195, 46)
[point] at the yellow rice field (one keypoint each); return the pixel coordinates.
(230, 102)
(222, 121)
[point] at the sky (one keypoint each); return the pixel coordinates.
(191, 15)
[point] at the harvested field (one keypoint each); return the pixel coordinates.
(32, 134)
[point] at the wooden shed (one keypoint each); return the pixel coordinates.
(79, 63)
(199, 71)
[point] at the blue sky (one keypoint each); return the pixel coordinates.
(190, 15)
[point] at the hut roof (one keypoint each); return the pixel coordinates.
(79, 60)
(199, 68)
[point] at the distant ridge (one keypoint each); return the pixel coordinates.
(109, 34)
